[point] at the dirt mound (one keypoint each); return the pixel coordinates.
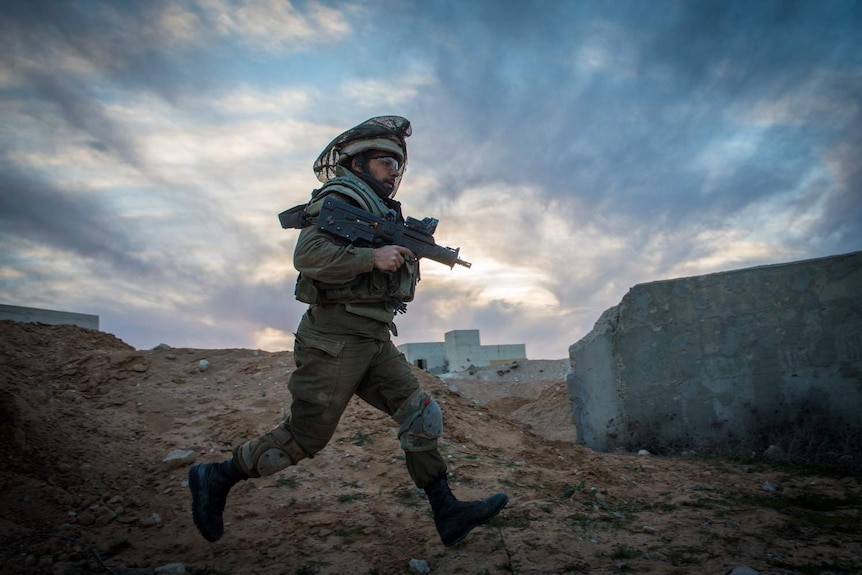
(98, 437)
(532, 392)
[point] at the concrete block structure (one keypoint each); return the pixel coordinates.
(696, 360)
(460, 350)
(47, 316)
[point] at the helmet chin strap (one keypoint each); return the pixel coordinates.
(376, 185)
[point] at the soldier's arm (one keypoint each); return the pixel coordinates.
(327, 259)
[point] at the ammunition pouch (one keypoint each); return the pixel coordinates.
(371, 287)
(376, 294)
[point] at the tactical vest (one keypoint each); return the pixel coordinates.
(376, 294)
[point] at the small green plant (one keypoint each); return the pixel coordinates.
(307, 569)
(514, 520)
(569, 490)
(623, 551)
(349, 533)
(505, 463)
(702, 503)
(287, 481)
(461, 478)
(509, 484)
(618, 511)
(350, 497)
(408, 497)
(360, 438)
(581, 519)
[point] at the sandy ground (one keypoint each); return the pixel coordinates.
(87, 422)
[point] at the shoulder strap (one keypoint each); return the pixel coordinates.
(305, 215)
(349, 187)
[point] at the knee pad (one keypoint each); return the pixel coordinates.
(421, 422)
(269, 453)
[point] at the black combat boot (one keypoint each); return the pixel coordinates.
(210, 484)
(455, 519)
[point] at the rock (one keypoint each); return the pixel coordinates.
(419, 566)
(86, 518)
(743, 571)
(774, 453)
(171, 569)
(178, 458)
(203, 365)
(104, 516)
(768, 487)
(153, 520)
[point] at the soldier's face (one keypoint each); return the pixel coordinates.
(383, 167)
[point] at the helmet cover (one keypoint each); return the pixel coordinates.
(387, 133)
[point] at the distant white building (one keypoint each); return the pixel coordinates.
(460, 350)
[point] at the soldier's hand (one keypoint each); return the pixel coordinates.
(390, 258)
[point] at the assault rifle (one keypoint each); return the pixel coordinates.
(358, 226)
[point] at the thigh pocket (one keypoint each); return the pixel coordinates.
(318, 361)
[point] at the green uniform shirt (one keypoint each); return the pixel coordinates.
(331, 260)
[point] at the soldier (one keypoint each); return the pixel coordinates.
(343, 344)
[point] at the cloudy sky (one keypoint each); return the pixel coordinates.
(571, 149)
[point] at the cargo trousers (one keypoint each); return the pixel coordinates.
(333, 367)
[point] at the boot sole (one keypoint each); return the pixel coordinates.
(196, 486)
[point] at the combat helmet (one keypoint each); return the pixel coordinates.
(379, 133)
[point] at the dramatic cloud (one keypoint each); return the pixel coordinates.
(570, 149)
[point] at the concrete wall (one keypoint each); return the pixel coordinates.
(507, 353)
(429, 356)
(461, 346)
(726, 355)
(460, 350)
(482, 355)
(47, 316)
(463, 349)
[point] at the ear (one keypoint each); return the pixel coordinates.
(358, 163)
